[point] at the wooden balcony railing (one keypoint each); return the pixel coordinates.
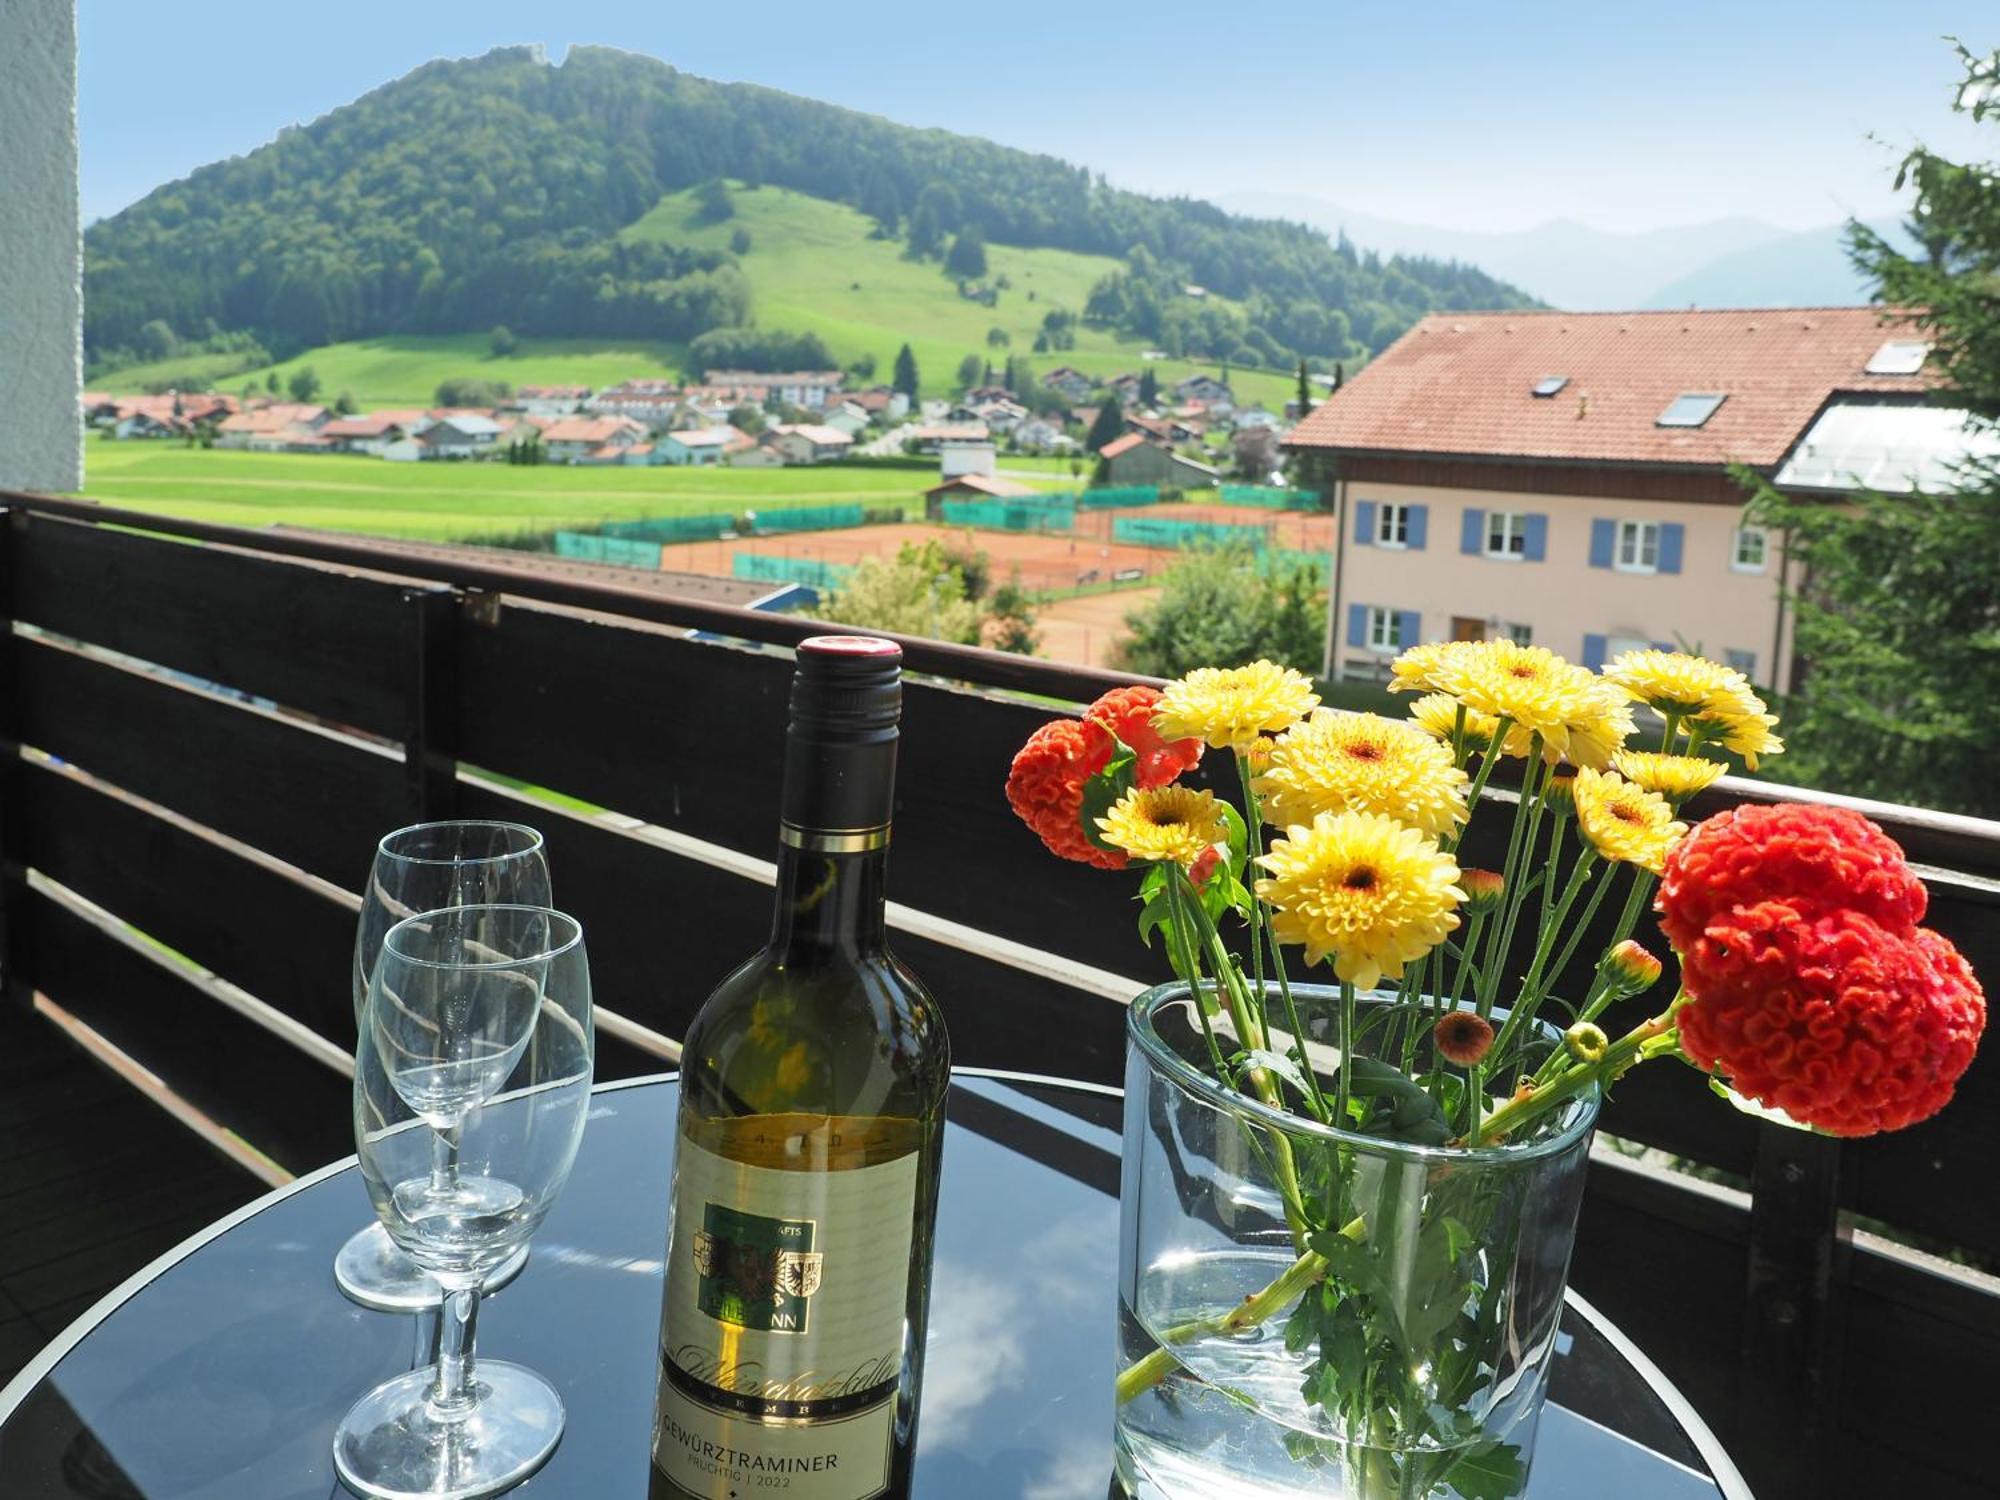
(209, 727)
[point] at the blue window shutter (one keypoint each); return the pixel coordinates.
(1672, 535)
(1603, 538)
(1593, 651)
(1535, 537)
(1364, 523)
(1665, 646)
(1411, 624)
(1472, 533)
(1357, 625)
(1420, 516)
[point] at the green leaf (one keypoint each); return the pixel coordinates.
(1104, 790)
(1496, 1472)
(1284, 1067)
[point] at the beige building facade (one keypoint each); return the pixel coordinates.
(1586, 575)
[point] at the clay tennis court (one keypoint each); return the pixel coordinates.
(1046, 563)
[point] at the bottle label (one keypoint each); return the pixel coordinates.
(782, 1334)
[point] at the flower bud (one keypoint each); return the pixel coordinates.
(1628, 968)
(1561, 793)
(1483, 889)
(1206, 862)
(1463, 1038)
(1586, 1041)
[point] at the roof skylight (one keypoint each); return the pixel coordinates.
(1898, 357)
(1689, 410)
(1548, 385)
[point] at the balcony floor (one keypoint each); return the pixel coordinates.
(95, 1181)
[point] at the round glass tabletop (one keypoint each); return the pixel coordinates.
(220, 1372)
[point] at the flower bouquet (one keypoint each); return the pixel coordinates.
(1348, 1206)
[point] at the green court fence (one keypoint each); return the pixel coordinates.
(811, 518)
(589, 547)
(806, 570)
(1162, 531)
(1117, 497)
(1007, 515)
(671, 528)
(1270, 499)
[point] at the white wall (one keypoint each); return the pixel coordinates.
(41, 249)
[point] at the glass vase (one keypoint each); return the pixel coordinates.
(1310, 1310)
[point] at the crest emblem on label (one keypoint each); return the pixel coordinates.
(756, 1272)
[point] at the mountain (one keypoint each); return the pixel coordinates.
(496, 189)
(1800, 270)
(1562, 262)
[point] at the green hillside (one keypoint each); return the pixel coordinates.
(813, 267)
(500, 189)
(817, 267)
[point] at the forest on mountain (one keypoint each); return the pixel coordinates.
(493, 188)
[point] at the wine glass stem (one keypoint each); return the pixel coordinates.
(453, 1394)
(444, 1159)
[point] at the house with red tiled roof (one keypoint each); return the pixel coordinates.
(580, 439)
(1565, 478)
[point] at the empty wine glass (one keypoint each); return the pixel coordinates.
(423, 868)
(471, 1084)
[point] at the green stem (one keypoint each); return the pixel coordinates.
(1308, 1270)
(1648, 1039)
(1527, 814)
(1487, 762)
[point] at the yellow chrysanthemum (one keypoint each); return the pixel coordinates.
(1672, 682)
(1602, 726)
(1530, 685)
(1229, 707)
(1165, 823)
(1422, 669)
(1672, 776)
(1437, 713)
(1374, 893)
(1340, 762)
(1737, 718)
(1625, 822)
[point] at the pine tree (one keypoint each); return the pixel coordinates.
(968, 254)
(1149, 388)
(1305, 392)
(1896, 613)
(1110, 422)
(905, 379)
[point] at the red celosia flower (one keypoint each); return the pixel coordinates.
(1823, 856)
(1045, 788)
(1843, 1023)
(1205, 864)
(1128, 713)
(1462, 1037)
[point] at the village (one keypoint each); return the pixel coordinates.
(1186, 436)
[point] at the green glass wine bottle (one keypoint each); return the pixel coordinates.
(806, 1164)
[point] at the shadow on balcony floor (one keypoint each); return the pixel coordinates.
(95, 1181)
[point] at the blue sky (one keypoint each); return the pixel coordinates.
(1493, 114)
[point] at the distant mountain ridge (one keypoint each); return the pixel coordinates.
(1729, 262)
(494, 189)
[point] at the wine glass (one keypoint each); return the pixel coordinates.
(427, 867)
(471, 1084)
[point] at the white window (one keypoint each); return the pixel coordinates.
(1385, 629)
(1751, 549)
(1743, 661)
(1392, 526)
(1638, 547)
(1506, 534)
(1520, 635)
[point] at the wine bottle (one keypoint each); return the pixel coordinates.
(806, 1160)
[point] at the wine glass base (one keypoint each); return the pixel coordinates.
(372, 1271)
(392, 1447)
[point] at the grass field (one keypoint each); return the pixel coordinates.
(813, 268)
(441, 501)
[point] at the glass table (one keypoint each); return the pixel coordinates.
(218, 1373)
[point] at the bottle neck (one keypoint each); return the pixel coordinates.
(830, 904)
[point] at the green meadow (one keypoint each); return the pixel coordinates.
(444, 501)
